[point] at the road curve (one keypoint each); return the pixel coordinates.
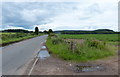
(16, 55)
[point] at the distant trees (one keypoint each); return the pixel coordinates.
(36, 30)
(17, 30)
(50, 31)
(45, 31)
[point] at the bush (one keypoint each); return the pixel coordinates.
(56, 40)
(95, 43)
(53, 35)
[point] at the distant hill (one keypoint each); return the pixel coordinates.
(99, 31)
(105, 30)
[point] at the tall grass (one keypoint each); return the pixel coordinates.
(89, 50)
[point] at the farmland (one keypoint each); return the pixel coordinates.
(95, 46)
(10, 37)
(102, 37)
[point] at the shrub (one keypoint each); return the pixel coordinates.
(95, 43)
(56, 40)
(53, 35)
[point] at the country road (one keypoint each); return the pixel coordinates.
(15, 56)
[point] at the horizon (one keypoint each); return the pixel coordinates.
(61, 30)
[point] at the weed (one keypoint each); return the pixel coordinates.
(91, 49)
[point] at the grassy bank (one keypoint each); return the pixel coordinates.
(91, 49)
(8, 38)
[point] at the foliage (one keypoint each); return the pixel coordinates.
(53, 35)
(36, 30)
(46, 32)
(95, 43)
(50, 31)
(13, 37)
(91, 49)
(56, 40)
(17, 30)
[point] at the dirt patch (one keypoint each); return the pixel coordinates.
(56, 66)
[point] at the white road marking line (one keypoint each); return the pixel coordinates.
(33, 66)
(34, 63)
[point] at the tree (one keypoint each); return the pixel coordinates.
(36, 30)
(45, 31)
(50, 31)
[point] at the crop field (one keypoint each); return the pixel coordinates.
(95, 46)
(7, 38)
(102, 37)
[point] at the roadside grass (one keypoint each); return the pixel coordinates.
(7, 38)
(84, 52)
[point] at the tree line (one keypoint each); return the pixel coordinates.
(36, 31)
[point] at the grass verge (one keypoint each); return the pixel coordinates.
(12, 38)
(83, 52)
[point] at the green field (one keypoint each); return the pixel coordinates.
(102, 37)
(14, 37)
(96, 46)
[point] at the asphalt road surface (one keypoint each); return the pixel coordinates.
(15, 56)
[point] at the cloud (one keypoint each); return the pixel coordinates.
(11, 27)
(89, 18)
(26, 14)
(82, 15)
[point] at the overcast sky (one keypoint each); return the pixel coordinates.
(82, 15)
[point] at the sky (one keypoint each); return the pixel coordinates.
(82, 15)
